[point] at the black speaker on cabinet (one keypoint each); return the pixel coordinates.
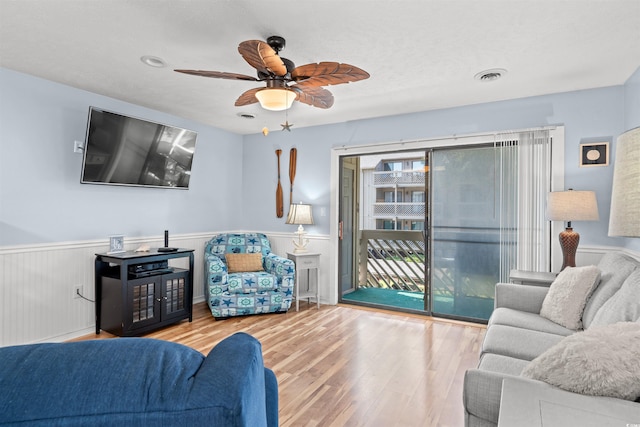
(166, 244)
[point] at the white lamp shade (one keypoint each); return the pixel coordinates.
(276, 99)
(300, 214)
(572, 206)
(624, 218)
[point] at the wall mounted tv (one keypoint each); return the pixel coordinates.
(122, 150)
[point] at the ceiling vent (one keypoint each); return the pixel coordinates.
(490, 75)
(153, 61)
(246, 115)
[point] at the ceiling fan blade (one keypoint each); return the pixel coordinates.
(314, 96)
(327, 73)
(248, 98)
(218, 75)
(262, 57)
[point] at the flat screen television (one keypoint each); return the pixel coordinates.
(123, 150)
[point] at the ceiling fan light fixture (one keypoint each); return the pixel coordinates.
(276, 99)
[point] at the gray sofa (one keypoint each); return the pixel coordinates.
(517, 333)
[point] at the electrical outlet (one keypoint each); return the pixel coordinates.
(78, 146)
(78, 290)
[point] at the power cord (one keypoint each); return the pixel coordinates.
(82, 296)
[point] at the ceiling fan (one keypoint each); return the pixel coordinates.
(284, 81)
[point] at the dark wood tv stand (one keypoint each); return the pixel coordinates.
(138, 292)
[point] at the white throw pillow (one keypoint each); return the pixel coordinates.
(568, 295)
(623, 306)
(601, 361)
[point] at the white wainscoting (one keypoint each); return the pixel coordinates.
(37, 283)
(590, 255)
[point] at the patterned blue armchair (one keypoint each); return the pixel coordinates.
(241, 293)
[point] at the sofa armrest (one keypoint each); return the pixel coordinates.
(215, 264)
(214, 269)
(520, 297)
(279, 266)
(482, 392)
(271, 385)
(532, 278)
(233, 377)
(527, 403)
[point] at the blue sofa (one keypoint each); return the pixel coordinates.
(137, 382)
(267, 289)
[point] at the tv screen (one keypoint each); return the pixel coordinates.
(122, 150)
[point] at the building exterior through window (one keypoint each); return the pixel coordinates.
(393, 192)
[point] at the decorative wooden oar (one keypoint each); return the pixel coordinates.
(293, 154)
(279, 206)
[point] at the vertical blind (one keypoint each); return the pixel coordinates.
(523, 164)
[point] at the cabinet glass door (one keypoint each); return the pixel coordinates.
(174, 295)
(142, 297)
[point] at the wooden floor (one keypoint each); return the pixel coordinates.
(350, 366)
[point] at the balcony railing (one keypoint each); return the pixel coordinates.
(399, 210)
(395, 259)
(391, 178)
(465, 268)
(392, 260)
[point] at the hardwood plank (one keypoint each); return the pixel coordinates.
(351, 366)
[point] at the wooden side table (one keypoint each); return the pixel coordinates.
(306, 261)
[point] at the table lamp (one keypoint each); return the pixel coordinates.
(300, 214)
(571, 206)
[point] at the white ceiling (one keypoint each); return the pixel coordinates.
(421, 54)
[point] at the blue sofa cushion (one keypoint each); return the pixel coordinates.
(136, 382)
(162, 376)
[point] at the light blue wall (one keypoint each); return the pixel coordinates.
(234, 178)
(587, 115)
(42, 200)
(632, 101)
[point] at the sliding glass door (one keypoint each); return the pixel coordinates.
(433, 231)
(470, 207)
(391, 250)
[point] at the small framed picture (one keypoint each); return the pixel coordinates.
(116, 244)
(594, 154)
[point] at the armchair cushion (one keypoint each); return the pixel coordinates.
(237, 263)
(245, 283)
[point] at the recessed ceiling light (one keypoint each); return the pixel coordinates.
(246, 115)
(153, 61)
(490, 75)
